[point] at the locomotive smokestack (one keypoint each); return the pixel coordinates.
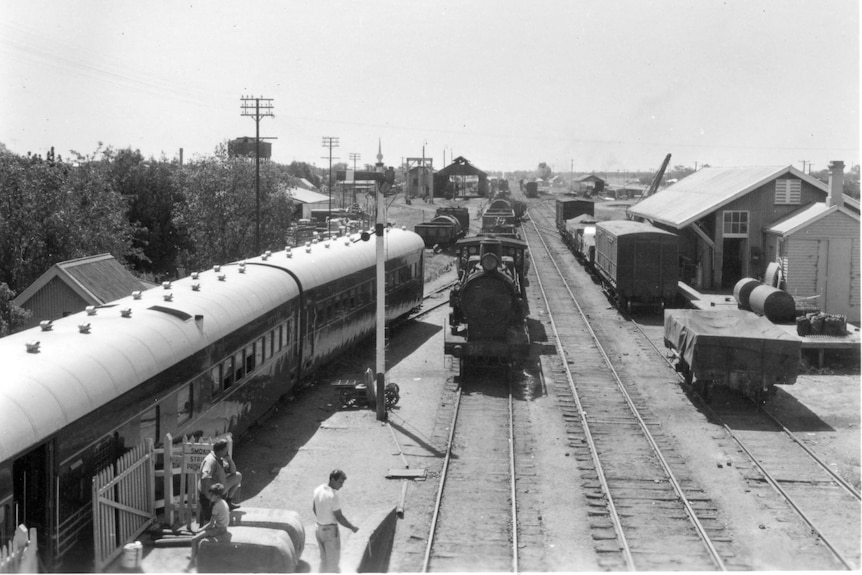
(490, 247)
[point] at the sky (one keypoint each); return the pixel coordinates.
(581, 85)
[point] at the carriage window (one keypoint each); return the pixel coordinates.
(227, 370)
(267, 346)
(5, 521)
(151, 425)
(283, 331)
(185, 404)
(215, 379)
(238, 365)
(258, 351)
(249, 359)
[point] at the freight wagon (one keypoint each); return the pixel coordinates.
(568, 208)
(638, 263)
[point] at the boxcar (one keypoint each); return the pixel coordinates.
(637, 262)
(568, 208)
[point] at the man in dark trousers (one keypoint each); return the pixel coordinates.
(327, 511)
(218, 467)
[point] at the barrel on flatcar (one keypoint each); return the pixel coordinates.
(568, 208)
(637, 262)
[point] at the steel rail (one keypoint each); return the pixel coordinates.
(668, 472)
(615, 517)
(512, 479)
(769, 478)
(436, 515)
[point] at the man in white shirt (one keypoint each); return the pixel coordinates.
(327, 510)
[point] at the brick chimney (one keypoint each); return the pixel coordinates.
(836, 184)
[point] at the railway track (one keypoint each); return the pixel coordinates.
(479, 467)
(648, 513)
(825, 501)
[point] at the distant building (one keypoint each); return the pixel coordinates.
(588, 184)
(308, 200)
(247, 148)
(69, 287)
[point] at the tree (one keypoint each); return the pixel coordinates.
(52, 211)
(151, 189)
(11, 316)
(219, 211)
(544, 171)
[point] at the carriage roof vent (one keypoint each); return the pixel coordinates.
(287, 251)
(266, 255)
(169, 297)
(327, 243)
(195, 275)
(126, 312)
(242, 267)
(216, 268)
(222, 277)
(196, 286)
(91, 310)
(308, 247)
(84, 328)
(166, 285)
(32, 346)
(136, 294)
(46, 325)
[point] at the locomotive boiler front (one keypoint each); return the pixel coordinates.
(488, 298)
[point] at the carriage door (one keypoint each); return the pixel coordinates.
(32, 480)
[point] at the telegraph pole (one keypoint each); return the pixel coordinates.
(329, 142)
(256, 111)
(354, 156)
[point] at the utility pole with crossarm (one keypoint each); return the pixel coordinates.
(257, 108)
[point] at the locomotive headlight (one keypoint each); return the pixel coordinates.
(489, 262)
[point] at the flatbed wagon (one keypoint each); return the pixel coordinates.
(736, 349)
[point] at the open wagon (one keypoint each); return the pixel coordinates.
(731, 348)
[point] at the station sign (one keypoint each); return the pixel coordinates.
(193, 456)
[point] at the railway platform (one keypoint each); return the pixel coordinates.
(818, 344)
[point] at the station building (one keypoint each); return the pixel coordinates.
(732, 222)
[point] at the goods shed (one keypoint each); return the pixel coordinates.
(817, 249)
(452, 180)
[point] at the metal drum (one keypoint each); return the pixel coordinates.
(777, 305)
(742, 292)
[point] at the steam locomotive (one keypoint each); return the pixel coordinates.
(487, 323)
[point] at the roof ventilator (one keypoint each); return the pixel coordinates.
(126, 312)
(91, 310)
(195, 275)
(166, 285)
(266, 255)
(84, 328)
(242, 267)
(216, 268)
(287, 251)
(32, 346)
(169, 297)
(136, 294)
(196, 287)
(46, 325)
(327, 244)
(222, 277)
(308, 247)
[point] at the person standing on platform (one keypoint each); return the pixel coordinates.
(218, 467)
(327, 511)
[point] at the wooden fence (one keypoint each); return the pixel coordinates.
(123, 503)
(20, 554)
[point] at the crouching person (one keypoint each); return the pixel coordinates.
(217, 525)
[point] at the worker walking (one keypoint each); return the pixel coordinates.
(327, 511)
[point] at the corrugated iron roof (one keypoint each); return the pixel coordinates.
(103, 276)
(708, 189)
(306, 196)
(96, 279)
(806, 217)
